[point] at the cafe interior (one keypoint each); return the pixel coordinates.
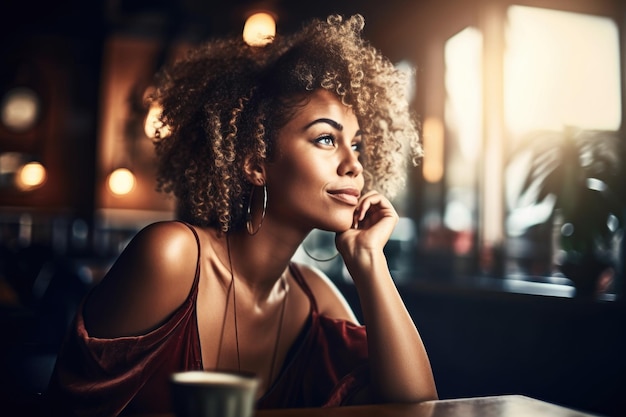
(510, 249)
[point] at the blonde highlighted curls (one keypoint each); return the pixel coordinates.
(226, 101)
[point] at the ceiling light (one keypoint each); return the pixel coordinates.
(259, 29)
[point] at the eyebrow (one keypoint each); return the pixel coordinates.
(330, 122)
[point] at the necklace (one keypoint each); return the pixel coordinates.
(231, 288)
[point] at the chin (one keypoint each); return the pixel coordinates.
(338, 221)
(337, 227)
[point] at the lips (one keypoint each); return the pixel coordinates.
(346, 195)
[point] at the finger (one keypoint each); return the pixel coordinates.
(369, 200)
(361, 210)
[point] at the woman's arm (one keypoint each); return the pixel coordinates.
(399, 366)
(149, 280)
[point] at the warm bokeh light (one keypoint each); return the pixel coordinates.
(121, 181)
(433, 138)
(19, 109)
(30, 176)
(259, 29)
(153, 125)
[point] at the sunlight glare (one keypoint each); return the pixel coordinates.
(556, 74)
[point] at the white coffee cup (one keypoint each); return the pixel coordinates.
(213, 394)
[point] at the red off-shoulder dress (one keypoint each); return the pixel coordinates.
(326, 365)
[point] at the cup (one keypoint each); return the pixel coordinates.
(213, 394)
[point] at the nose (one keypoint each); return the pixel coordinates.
(350, 164)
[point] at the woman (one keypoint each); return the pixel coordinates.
(264, 144)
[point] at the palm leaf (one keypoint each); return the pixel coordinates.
(583, 171)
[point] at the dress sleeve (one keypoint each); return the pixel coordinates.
(327, 367)
(345, 355)
(106, 377)
(101, 377)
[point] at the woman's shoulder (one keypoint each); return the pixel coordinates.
(168, 230)
(149, 280)
(162, 248)
(330, 301)
(170, 239)
(165, 253)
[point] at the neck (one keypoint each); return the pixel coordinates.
(259, 261)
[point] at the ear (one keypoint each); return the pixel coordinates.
(254, 171)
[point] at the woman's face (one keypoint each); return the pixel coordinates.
(315, 178)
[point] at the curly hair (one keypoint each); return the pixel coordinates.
(225, 102)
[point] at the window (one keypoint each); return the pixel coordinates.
(560, 69)
(519, 71)
(463, 115)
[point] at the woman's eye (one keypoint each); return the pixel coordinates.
(356, 147)
(327, 140)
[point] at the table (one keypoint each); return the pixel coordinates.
(496, 406)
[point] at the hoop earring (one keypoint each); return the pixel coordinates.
(249, 225)
(316, 258)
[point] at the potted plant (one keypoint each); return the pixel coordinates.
(579, 176)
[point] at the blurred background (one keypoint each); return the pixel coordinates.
(510, 249)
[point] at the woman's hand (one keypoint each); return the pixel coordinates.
(399, 366)
(374, 221)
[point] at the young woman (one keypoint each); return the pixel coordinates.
(264, 144)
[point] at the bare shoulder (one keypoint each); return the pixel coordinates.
(148, 281)
(168, 244)
(159, 253)
(329, 299)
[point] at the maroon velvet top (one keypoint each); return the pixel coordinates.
(326, 365)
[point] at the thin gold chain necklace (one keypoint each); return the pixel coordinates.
(231, 287)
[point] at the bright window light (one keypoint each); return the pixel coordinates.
(561, 69)
(463, 57)
(463, 127)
